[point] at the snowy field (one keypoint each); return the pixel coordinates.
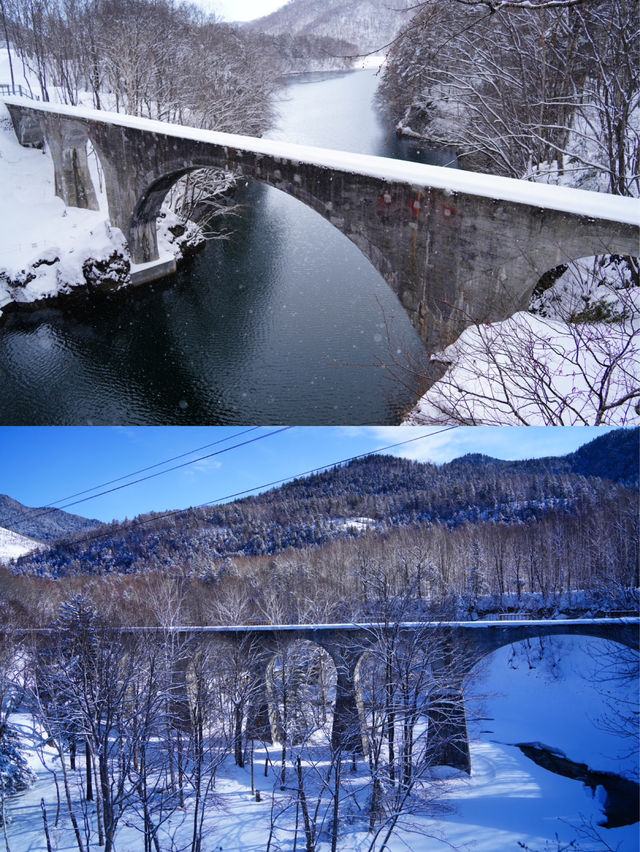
(508, 803)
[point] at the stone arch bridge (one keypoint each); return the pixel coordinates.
(459, 647)
(455, 247)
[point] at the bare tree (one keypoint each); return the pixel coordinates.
(411, 701)
(90, 687)
(549, 86)
(581, 366)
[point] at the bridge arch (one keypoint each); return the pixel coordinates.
(301, 691)
(456, 248)
(574, 681)
(482, 638)
(141, 229)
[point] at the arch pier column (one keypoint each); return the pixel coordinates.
(345, 731)
(448, 737)
(66, 139)
(135, 168)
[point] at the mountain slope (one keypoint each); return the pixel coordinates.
(614, 456)
(374, 493)
(41, 524)
(13, 545)
(370, 24)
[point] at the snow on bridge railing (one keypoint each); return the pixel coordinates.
(580, 202)
(8, 89)
(355, 626)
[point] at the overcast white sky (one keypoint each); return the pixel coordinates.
(240, 10)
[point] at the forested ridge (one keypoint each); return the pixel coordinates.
(42, 524)
(482, 526)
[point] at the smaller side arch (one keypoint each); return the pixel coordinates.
(301, 690)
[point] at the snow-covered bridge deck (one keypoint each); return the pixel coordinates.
(480, 637)
(456, 247)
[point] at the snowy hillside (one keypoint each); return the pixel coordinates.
(372, 497)
(371, 24)
(508, 803)
(13, 545)
(43, 524)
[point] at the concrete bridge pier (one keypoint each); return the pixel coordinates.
(68, 146)
(346, 730)
(137, 178)
(28, 127)
(448, 737)
(67, 143)
(258, 724)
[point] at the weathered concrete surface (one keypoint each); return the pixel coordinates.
(67, 141)
(146, 272)
(452, 258)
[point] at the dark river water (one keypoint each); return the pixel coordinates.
(285, 323)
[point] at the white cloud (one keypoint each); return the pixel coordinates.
(435, 445)
(503, 442)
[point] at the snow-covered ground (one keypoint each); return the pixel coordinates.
(43, 244)
(533, 370)
(13, 545)
(45, 247)
(509, 803)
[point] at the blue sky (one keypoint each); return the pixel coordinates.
(42, 465)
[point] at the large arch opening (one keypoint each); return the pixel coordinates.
(551, 721)
(148, 207)
(289, 296)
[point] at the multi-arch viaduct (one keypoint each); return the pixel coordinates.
(455, 247)
(460, 646)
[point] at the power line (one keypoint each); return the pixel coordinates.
(152, 466)
(53, 504)
(178, 466)
(52, 507)
(174, 512)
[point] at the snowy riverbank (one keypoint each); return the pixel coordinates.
(47, 249)
(550, 692)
